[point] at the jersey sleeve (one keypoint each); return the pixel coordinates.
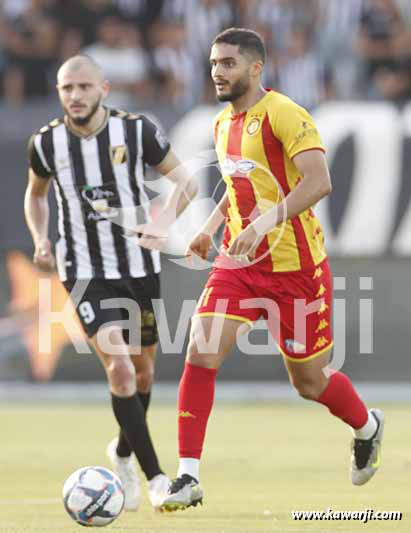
(155, 143)
(35, 161)
(295, 128)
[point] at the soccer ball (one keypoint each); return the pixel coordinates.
(93, 496)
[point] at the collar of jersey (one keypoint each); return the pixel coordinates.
(236, 116)
(91, 135)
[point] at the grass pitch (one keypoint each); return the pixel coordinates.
(260, 463)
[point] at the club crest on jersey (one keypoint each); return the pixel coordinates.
(253, 126)
(242, 166)
(118, 154)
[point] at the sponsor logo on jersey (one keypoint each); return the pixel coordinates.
(245, 166)
(99, 200)
(91, 194)
(242, 166)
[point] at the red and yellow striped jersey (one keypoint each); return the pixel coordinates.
(255, 151)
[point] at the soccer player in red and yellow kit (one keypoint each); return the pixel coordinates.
(273, 164)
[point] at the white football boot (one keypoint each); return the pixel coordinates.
(184, 492)
(157, 490)
(125, 468)
(366, 454)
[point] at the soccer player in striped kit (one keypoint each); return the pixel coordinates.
(273, 164)
(96, 157)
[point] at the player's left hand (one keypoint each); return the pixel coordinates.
(245, 244)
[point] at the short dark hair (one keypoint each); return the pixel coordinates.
(248, 41)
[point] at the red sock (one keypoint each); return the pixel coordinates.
(195, 400)
(343, 401)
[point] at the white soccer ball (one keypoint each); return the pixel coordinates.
(93, 496)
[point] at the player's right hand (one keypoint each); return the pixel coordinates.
(199, 245)
(43, 256)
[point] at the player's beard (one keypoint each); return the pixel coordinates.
(83, 121)
(238, 89)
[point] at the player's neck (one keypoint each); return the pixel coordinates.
(248, 100)
(95, 123)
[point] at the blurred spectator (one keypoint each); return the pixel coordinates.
(300, 72)
(30, 42)
(275, 19)
(380, 27)
(403, 41)
(13, 9)
(205, 19)
(124, 63)
(393, 83)
(142, 13)
(174, 10)
(176, 70)
(78, 20)
(317, 49)
(337, 25)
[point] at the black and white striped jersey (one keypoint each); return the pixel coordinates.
(99, 186)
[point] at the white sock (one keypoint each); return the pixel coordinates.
(368, 430)
(189, 465)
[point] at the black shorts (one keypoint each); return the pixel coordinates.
(139, 290)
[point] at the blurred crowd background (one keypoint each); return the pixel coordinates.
(156, 51)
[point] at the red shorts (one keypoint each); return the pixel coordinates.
(296, 305)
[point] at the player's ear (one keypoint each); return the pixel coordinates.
(106, 88)
(256, 68)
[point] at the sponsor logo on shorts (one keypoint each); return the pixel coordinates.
(318, 273)
(321, 291)
(294, 346)
(321, 342)
(322, 309)
(322, 325)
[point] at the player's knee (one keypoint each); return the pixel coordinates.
(309, 389)
(194, 356)
(122, 376)
(145, 379)
(192, 350)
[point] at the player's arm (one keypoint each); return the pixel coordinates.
(157, 153)
(154, 234)
(36, 207)
(301, 141)
(315, 184)
(200, 244)
(185, 189)
(36, 210)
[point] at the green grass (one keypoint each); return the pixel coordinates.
(260, 462)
